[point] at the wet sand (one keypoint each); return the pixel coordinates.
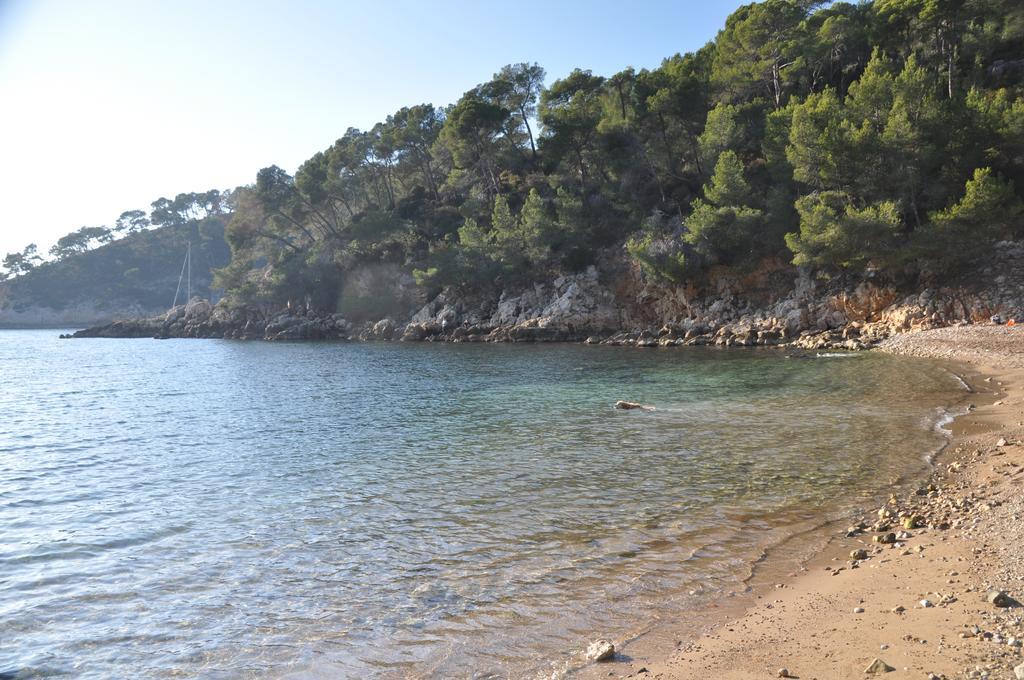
(919, 605)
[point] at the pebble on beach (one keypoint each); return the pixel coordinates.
(999, 598)
(885, 539)
(878, 666)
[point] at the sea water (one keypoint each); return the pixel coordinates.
(224, 509)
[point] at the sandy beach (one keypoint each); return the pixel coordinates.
(911, 590)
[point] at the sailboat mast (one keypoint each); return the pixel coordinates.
(177, 291)
(186, 268)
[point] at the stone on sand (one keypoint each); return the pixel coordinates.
(913, 522)
(999, 598)
(878, 666)
(600, 650)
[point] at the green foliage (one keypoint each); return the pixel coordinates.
(817, 141)
(186, 207)
(131, 221)
(728, 186)
(571, 111)
(80, 241)
(840, 132)
(138, 271)
(659, 251)
(537, 228)
(659, 259)
(996, 121)
(129, 266)
(723, 234)
(759, 51)
(960, 234)
(721, 132)
(836, 47)
(17, 264)
(468, 263)
(517, 244)
(721, 227)
(835, 233)
(513, 247)
(516, 88)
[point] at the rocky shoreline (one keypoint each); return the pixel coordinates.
(616, 304)
(199, 319)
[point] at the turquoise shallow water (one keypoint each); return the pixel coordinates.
(217, 509)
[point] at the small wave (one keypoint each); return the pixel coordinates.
(836, 355)
(939, 423)
(963, 383)
(34, 672)
(945, 418)
(39, 502)
(71, 551)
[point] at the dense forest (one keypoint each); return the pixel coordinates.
(883, 135)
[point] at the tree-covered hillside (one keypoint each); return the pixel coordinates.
(886, 134)
(136, 273)
(132, 267)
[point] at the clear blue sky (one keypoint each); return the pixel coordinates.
(108, 105)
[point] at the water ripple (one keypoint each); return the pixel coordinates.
(221, 509)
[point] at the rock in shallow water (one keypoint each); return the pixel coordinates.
(600, 650)
(632, 405)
